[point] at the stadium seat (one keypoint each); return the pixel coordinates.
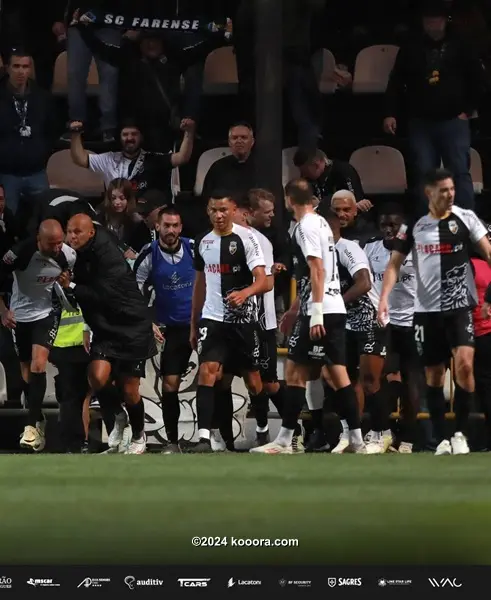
(60, 77)
(63, 173)
(372, 69)
(324, 63)
(204, 163)
(289, 170)
(381, 169)
(220, 75)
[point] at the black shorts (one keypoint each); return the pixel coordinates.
(330, 350)
(177, 351)
(127, 368)
(437, 334)
(374, 342)
(268, 356)
(352, 353)
(236, 344)
(402, 349)
(35, 333)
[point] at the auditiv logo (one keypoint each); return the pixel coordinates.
(441, 583)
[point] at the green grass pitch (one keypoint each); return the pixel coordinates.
(390, 509)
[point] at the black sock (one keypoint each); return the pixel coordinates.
(260, 407)
(295, 399)
(278, 399)
(110, 400)
(347, 407)
(462, 407)
(136, 415)
(379, 411)
(224, 400)
(317, 418)
(171, 410)
(394, 393)
(35, 398)
(205, 405)
(436, 407)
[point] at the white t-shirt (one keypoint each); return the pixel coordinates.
(267, 310)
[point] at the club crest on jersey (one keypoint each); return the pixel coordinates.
(232, 247)
(452, 225)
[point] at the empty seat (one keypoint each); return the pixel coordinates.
(289, 170)
(324, 64)
(372, 69)
(204, 163)
(220, 75)
(381, 169)
(476, 171)
(60, 77)
(63, 173)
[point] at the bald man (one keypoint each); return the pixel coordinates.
(105, 288)
(34, 314)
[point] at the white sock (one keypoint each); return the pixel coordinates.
(376, 436)
(355, 437)
(285, 437)
(387, 433)
(315, 394)
(262, 429)
(344, 425)
(204, 434)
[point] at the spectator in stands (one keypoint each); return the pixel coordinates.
(234, 173)
(79, 57)
(146, 170)
(7, 225)
(328, 175)
(148, 207)
(354, 225)
(439, 80)
(26, 131)
(117, 213)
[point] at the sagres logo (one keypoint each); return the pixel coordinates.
(331, 582)
(194, 582)
(441, 583)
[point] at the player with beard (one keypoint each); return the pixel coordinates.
(445, 297)
(402, 353)
(113, 307)
(34, 315)
(166, 265)
(318, 317)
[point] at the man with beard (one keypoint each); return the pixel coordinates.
(354, 225)
(146, 170)
(167, 266)
(106, 290)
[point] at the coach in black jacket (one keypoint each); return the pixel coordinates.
(116, 312)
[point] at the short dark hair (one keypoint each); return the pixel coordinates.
(243, 202)
(255, 195)
(20, 52)
(169, 210)
(242, 124)
(330, 216)
(436, 175)
(222, 195)
(391, 208)
(130, 123)
(306, 157)
(299, 191)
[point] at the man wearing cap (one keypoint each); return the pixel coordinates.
(146, 170)
(440, 81)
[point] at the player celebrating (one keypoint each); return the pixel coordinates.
(229, 274)
(318, 335)
(34, 314)
(446, 294)
(115, 310)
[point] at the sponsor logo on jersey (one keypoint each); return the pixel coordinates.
(222, 268)
(439, 248)
(452, 225)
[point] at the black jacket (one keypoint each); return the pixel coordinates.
(229, 175)
(435, 80)
(112, 305)
(338, 175)
(25, 155)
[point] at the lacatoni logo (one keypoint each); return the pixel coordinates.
(195, 582)
(42, 583)
(5, 583)
(232, 582)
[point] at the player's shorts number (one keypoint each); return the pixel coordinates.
(203, 332)
(419, 333)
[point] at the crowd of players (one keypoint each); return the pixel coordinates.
(407, 294)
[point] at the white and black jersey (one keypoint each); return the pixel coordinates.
(444, 280)
(312, 236)
(266, 306)
(34, 275)
(228, 262)
(402, 297)
(361, 314)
